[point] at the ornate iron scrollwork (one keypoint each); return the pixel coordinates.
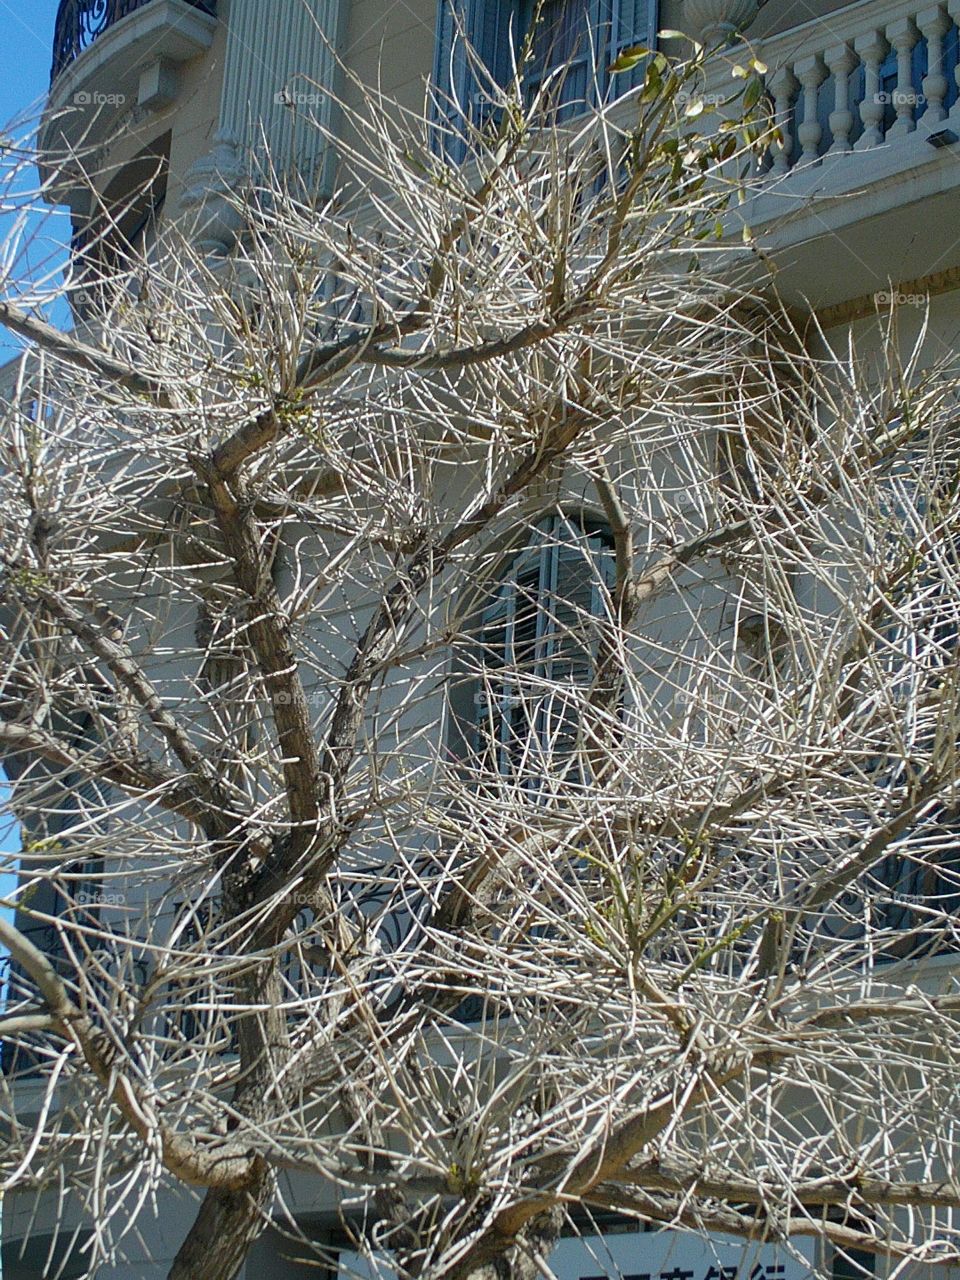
(80, 22)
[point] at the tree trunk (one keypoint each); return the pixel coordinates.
(521, 1261)
(226, 1226)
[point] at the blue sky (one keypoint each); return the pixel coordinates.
(26, 42)
(9, 836)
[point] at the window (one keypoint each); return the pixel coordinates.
(908, 903)
(576, 38)
(74, 821)
(121, 232)
(536, 642)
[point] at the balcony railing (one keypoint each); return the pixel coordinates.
(80, 22)
(863, 78)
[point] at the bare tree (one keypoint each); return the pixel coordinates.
(479, 686)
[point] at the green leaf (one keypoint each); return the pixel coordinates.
(629, 58)
(694, 109)
(752, 133)
(753, 92)
(670, 33)
(726, 147)
(652, 84)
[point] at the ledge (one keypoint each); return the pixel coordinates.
(853, 223)
(117, 74)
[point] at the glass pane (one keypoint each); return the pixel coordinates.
(570, 38)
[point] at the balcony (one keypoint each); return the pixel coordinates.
(80, 22)
(862, 192)
(115, 62)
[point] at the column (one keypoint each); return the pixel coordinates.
(783, 84)
(872, 49)
(934, 24)
(841, 60)
(278, 71)
(903, 35)
(811, 73)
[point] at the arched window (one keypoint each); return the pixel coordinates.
(537, 632)
(122, 231)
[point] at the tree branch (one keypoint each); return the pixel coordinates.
(216, 1166)
(135, 776)
(685, 1211)
(269, 631)
(664, 1174)
(80, 355)
(119, 660)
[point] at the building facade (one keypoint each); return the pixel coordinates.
(155, 107)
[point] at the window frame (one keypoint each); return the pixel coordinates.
(482, 728)
(631, 22)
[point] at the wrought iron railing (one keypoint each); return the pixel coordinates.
(80, 22)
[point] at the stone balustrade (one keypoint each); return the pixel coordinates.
(864, 77)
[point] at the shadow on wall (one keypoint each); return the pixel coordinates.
(38, 1257)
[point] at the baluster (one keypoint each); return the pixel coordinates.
(841, 61)
(903, 35)
(784, 86)
(872, 49)
(953, 9)
(934, 24)
(811, 73)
